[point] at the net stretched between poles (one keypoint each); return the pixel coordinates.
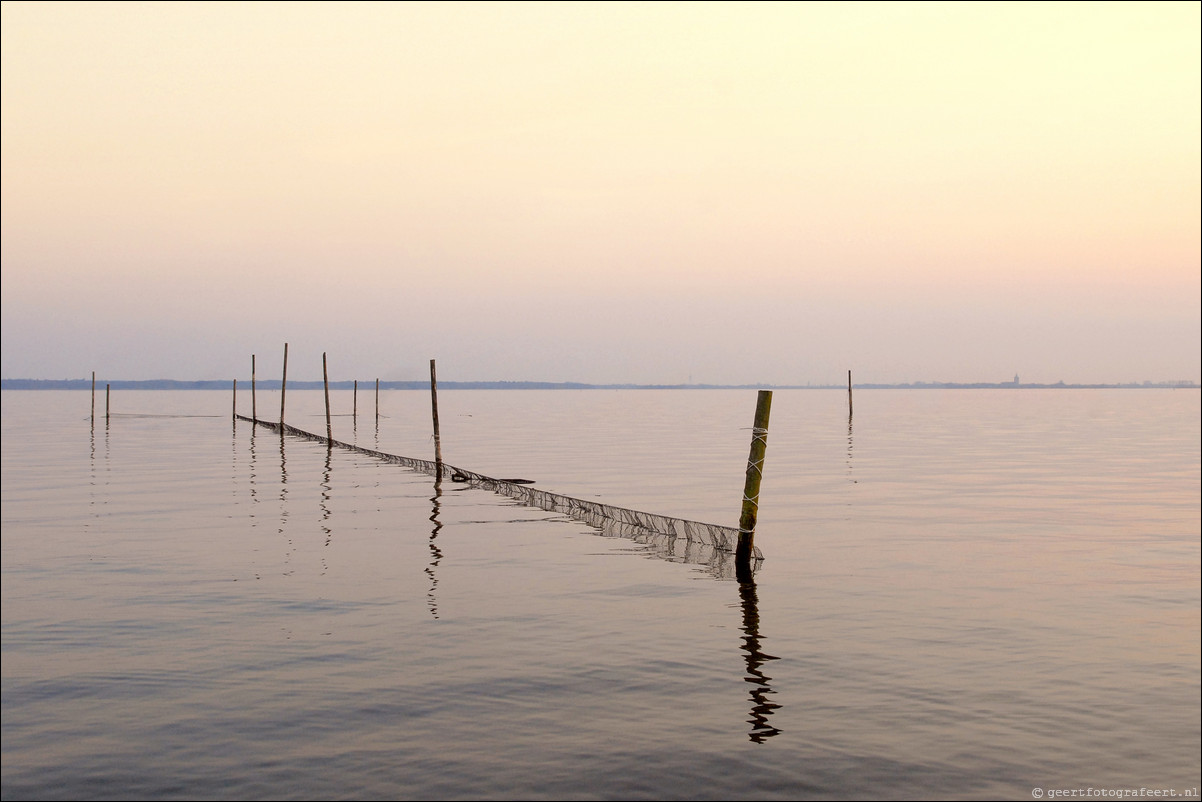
(646, 527)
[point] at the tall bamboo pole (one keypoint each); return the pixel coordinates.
(755, 472)
(325, 377)
(283, 387)
(434, 410)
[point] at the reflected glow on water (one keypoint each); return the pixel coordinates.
(970, 594)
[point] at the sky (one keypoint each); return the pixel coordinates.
(731, 193)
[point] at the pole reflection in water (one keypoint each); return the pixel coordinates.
(108, 453)
(254, 490)
(761, 708)
(284, 506)
(234, 454)
(92, 469)
(849, 446)
(326, 489)
(435, 552)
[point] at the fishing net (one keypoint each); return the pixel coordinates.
(672, 538)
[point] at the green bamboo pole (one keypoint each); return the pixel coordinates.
(755, 472)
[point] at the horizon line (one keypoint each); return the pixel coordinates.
(506, 384)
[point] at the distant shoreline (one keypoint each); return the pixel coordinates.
(274, 384)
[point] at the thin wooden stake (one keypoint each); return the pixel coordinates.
(283, 388)
(106, 403)
(325, 376)
(755, 472)
(434, 409)
(234, 414)
(355, 403)
(849, 393)
(93, 396)
(377, 402)
(254, 409)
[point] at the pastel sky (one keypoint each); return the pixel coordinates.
(603, 192)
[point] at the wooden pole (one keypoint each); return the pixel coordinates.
(93, 395)
(755, 472)
(254, 409)
(234, 413)
(325, 377)
(106, 403)
(849, 393)
(283, 387)
(434, 409)
(355, 403)
(377, 402)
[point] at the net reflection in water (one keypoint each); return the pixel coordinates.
(676, 539)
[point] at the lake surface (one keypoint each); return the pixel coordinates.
(964, 594)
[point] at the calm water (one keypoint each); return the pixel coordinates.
(966, 594)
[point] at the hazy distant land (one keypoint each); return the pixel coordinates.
(270, 384)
